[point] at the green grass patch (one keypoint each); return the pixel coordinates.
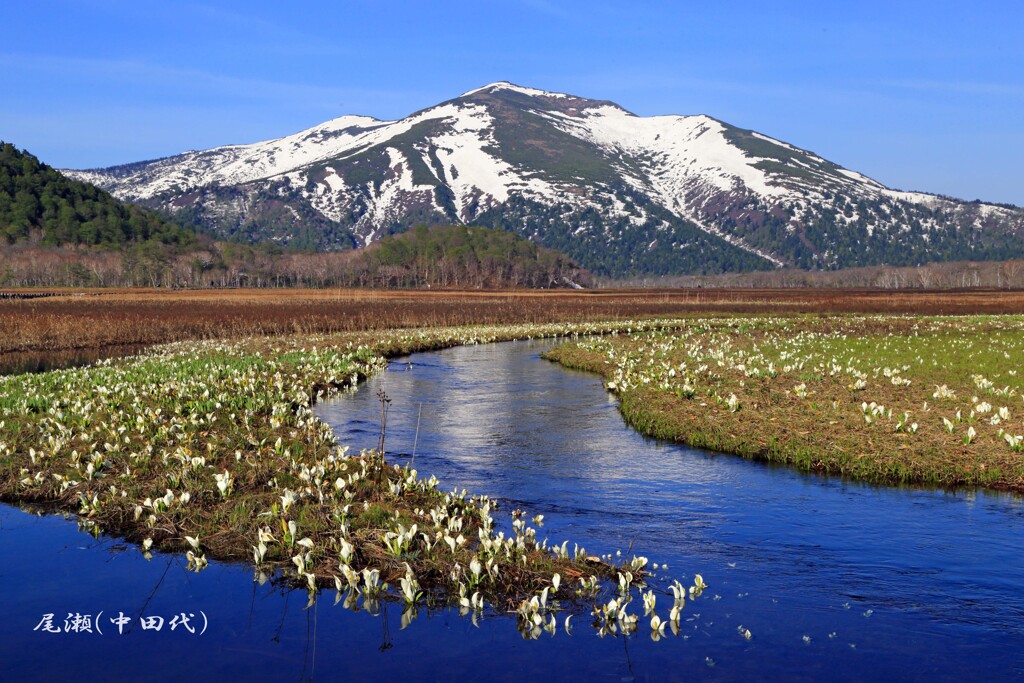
(889, 399)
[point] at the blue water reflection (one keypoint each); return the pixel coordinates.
(907, 582)
(886, 584)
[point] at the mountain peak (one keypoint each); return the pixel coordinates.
(506, 85)
(621, 193)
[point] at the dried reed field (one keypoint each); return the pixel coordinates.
(95, 318)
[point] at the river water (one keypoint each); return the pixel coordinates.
(836, 580)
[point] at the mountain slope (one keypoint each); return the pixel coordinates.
(36, 198)
(622, 194)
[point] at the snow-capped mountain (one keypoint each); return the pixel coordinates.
(619, 192)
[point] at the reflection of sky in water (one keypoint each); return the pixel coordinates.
(933, 567)
(785, 554)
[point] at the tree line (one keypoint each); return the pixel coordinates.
(944, 275)
(446, 257)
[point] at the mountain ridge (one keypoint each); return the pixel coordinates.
(664, 194)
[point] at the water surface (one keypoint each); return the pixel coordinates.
(898, 582)
(836, 580)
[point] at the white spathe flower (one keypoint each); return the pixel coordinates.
(410, 589)
(649, 601)
(970, 435)
(347, 550)
(224, 483)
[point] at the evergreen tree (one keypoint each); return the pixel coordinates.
(36, 198)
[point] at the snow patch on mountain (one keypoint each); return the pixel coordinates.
(862, 179)
(334, 182)
(684, 156)
(913, 197)
(446, 163)
(469, 169)
(236, 164)
(505, 85)
(467, 152)
(387, 201)
(330, 196)
(678, 148)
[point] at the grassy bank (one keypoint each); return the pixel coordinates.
(887, 399)
(211, 449)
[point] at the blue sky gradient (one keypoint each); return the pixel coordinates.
(918, 95)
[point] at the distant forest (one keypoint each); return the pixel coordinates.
(446, 257)
(62, 232)
(35, 198)
(945, 275)
(461, 256)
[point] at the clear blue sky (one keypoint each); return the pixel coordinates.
(919, 95)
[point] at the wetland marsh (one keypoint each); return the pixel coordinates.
(206, 452)
(884, 582)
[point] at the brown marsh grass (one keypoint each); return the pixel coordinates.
(98, 318)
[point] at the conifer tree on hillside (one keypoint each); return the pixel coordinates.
(36, 198)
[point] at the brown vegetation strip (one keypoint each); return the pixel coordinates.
(96, 318)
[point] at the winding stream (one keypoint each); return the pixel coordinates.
(836, 580)
(913, 583)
